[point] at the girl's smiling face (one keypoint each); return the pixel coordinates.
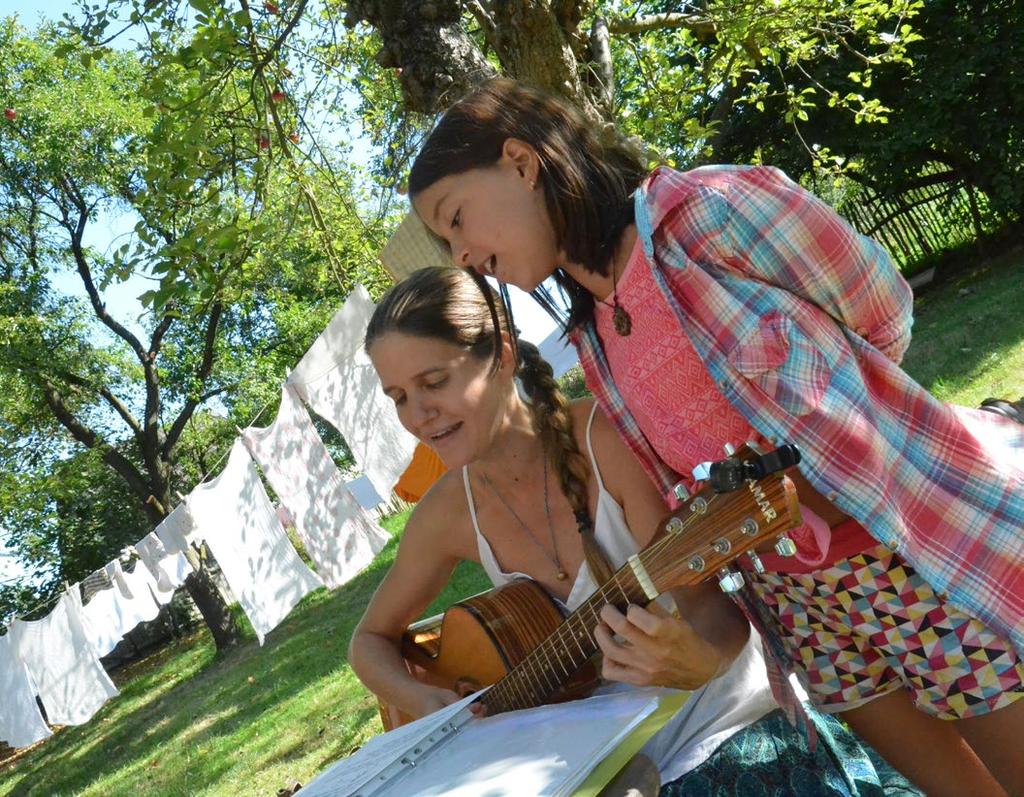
(444, 395)
(495, 219)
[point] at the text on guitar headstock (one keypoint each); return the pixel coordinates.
(745, 499)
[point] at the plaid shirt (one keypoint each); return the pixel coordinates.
(801, 322)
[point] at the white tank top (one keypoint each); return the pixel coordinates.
(715, 711)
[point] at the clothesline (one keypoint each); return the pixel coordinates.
(56, 595)
(345, 326)
(33, 607)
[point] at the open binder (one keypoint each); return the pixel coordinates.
(563, 750)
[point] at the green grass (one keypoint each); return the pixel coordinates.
(190, 722)
(969, 334)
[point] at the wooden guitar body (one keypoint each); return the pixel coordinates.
(480, 640)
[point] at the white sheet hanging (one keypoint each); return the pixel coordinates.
(177, 530)
(336, 379)
(362, 490)
(235, 517)
(21, 724)
(170, 569)
(337, 534)
(62, 664)
(109, 615)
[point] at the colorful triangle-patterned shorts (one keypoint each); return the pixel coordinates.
(869, 624)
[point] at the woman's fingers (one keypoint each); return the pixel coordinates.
(651, 647)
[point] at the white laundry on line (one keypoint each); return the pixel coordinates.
(109, 615)
(336, 379)
(21, 724)
(61, 662)
(170, 569)
(235, 517)
(337, 534)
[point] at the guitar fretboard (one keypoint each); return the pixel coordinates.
(548, 666)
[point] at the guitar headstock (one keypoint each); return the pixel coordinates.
(711, 529)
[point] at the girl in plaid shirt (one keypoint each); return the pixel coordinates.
(727, 304)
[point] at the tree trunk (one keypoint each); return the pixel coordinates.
(439, 61)
(215, 611)
(534, 41)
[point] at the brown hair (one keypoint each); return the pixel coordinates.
(587, 184)
(460, 308)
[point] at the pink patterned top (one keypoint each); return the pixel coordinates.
(675, 402)
(666, 385)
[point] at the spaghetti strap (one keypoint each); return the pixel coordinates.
(469, 500)
(590, 450)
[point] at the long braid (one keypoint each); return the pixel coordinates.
(552, 421)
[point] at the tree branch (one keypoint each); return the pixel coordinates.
(85, 273)
(87, 437)
(702, 27)
(482, 16)
(601, 56)
(202, 374)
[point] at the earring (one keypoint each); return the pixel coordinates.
(533, 185)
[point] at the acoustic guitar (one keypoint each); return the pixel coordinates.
(515, 639)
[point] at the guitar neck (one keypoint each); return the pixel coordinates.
(705, 534)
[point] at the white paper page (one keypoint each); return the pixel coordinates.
(342, 778)
(547, 751)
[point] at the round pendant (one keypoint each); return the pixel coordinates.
(562, 575)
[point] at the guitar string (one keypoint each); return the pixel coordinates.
(650, 554)
(528, 667)
(530, 661)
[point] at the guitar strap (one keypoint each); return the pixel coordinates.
(776, 663)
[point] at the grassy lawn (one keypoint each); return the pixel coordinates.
(969, 334)
(189, 722)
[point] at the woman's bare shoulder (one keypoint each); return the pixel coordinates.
(579, 410)
(441, 517)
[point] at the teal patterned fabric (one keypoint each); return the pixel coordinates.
(770, 759)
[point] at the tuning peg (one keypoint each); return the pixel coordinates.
(784, 546)
(755, 562)
(680, 492)
(730, 581)
(730, 449)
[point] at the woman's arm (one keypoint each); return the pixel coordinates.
(655, 648)
(424, 563)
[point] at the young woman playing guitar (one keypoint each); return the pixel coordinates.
(526, 477)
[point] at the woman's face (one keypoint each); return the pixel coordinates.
(445, 396)
(494, 219)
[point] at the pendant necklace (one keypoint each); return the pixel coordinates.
(560, 573)
(620, 318)
(621, 321)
